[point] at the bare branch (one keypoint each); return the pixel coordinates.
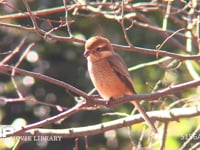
(53, 119)
(164, 135)
(45, 78)
(162, 116)
(150, 96)
(160, 93)
(35, 25)
(153, 52)
(15, 51)
(30, 99)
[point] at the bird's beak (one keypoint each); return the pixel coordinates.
(86, 53)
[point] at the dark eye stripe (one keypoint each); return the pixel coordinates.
(101, 48)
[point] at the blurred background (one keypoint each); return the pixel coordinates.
(64, 61)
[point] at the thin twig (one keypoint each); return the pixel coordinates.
(141, 138)
(67, 19)
(162, 44)
(164, 136)
(165, 19)
(9, 5)
(35, 25)
(15, 51)
(78, 107)
(22, 57)
(31, 99)
(153, 52)
(18, 144)
(130, 137)
(195, 146)
(16, 65)
(121, 21)
(151, 63)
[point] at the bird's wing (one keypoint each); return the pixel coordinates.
(121, 70)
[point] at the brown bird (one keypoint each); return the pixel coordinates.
(109, 73)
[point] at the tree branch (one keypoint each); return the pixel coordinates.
(149, 96)
(162, 116)
(8, 69)
(154, 52)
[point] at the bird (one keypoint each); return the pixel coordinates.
(109, 73)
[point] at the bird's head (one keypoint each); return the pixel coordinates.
(97, 48)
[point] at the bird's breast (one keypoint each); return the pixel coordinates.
(105, 80)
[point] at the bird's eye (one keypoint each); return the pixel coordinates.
(99, 49)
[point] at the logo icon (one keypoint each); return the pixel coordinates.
(5, 129)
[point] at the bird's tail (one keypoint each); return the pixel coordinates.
(145, 116)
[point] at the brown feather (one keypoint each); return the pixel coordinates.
(120, 68)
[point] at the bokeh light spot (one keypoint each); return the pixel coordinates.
(32, 57)
(28, 81)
